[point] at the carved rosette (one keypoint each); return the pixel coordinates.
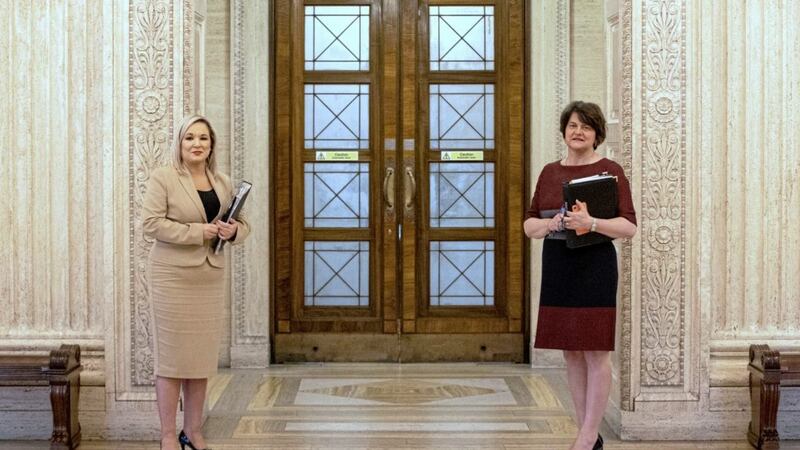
(663, 191)
(150, 118)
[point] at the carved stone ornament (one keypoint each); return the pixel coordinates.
(625, 159)
(663, 191)
(239, 274)
(562, 71)
(150, 116)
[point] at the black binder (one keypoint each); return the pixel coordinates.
(237, 202)
(599, 192)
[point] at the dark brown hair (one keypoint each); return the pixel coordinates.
(590, 114)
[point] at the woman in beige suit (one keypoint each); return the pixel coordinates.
(181, 213)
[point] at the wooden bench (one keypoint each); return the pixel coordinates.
(62, 372)
(769, 371)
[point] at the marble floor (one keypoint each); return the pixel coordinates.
(393, 406)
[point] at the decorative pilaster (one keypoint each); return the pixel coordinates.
(663, 192)
(250, 153)
(160, 75)
(150, 116)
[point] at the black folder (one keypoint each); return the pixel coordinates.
(235, 207)
(599, 192)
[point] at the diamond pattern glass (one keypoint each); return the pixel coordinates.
(336, 273)
(336, 195)
(336, 116)
(462, 273)
(337, 38)
(461, 116)
(462, 195)
(461, 37)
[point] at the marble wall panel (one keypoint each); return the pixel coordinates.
(587, 64)
(752, 134)
(52, 108)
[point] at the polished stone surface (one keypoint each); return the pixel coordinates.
(383, 406)
(393, 406)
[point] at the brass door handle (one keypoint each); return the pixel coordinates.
(410, 188)
(388, 188)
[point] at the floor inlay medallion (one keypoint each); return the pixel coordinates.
(406, 391)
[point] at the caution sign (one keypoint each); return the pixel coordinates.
(462, 156)
(337, 156)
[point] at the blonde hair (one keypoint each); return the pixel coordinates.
(177, 156)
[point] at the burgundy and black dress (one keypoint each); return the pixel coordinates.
(578, 300)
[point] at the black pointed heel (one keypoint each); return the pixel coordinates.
(184, 441)
(598, 445)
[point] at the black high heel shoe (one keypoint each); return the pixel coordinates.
(184, 441)
(598, 445)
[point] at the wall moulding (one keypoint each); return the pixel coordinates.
(742, 345)
(728, 360)
(628, 354)
(250, 154)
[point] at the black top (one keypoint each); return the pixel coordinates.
(210, 204)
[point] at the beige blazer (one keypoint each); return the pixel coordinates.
(173, 215)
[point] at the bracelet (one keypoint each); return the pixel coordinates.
(594, 225)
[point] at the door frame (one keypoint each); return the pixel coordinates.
(391, 340)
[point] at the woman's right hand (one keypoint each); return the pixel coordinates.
(210, 231)
(555, 223)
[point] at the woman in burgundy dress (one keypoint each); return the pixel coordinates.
(577, 304)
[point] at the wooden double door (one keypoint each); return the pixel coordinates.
(399, 180)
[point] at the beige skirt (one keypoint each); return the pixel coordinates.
(186, 305)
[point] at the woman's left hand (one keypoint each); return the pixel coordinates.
(228, 230)
(579, 218)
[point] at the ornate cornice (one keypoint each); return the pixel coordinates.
(663, 117)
